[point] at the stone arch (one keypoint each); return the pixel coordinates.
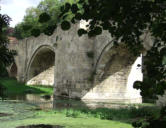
(113, 59)
(13, 70)
(40, 69)
(113, 71)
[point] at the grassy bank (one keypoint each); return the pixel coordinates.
(78, 118)
(68, 122)
(54, 117)
(127, 115)
(13, 87)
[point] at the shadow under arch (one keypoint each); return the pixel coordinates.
(40, 70)
(113, 59)
(112, 75)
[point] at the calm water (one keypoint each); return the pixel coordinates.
(18, 108)
(48, 102)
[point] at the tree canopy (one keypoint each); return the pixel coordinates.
(6, 55)
(47, 10)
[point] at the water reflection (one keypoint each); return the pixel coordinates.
(48, 102)
(15, 110)
(43, 102)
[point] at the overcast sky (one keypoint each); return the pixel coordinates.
(16, 9)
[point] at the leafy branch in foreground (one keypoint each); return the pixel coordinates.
(126, 21)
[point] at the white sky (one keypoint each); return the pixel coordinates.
(16, 9)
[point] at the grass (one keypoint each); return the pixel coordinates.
(14, 88)
(68, 122)
(123, 114)
(58, 118)
(86, 118)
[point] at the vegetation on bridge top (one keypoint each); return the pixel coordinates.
(30, 25)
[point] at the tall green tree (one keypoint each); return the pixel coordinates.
(6, 55)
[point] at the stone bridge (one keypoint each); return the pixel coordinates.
(78, 67)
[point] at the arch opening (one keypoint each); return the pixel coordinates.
(41, 69)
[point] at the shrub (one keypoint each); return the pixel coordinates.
(123, 114)
(152, 121)
(73, 113)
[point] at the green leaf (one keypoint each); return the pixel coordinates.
(81, 32)
(62, 8)
(35, 32)
(27, 27)
(137, 85)
(91, 33)
(65, 25)
(78, 16)
(50, 30)
(44, 17)
(98, 30)
(67, 7)
(74, 8)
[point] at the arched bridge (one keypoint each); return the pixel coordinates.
(68, 62)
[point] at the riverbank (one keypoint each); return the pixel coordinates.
(23, 114)
(13, 88)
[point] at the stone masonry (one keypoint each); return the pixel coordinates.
(68, 62)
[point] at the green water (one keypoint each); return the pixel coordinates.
(16, 111)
